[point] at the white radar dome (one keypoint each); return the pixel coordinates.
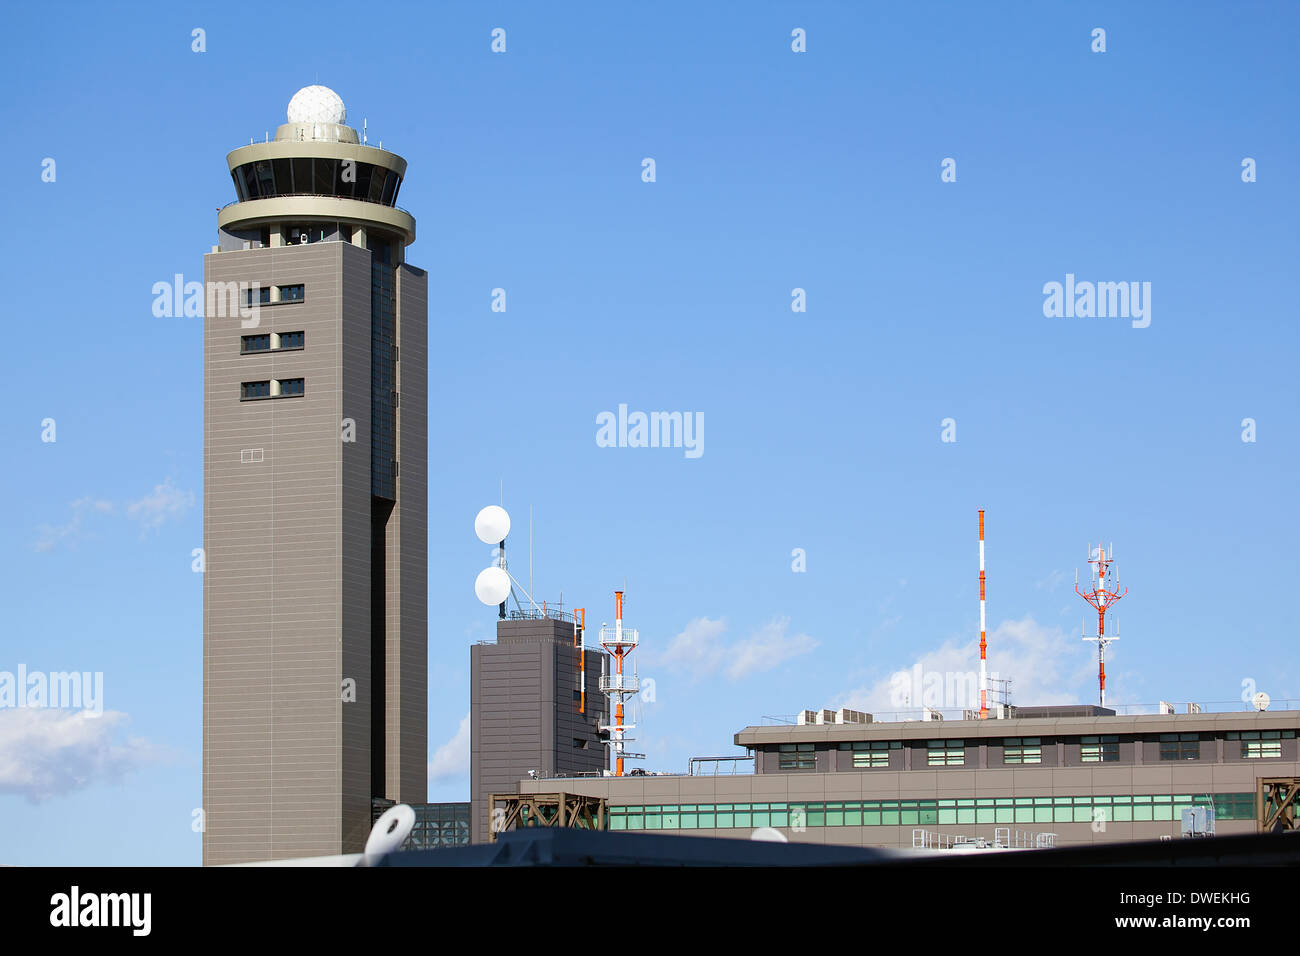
(492, 586)
(317, 104)
(492, 524)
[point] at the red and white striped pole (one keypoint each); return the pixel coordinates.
(984, 678)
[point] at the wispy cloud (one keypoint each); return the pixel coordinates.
(1045, 664)
(1051, 582)
(49, 536)
(165, 502)
(451, 760)
(50, 753)
(700, 650)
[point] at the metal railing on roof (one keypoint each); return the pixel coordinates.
(1181, 709)
(698, 765)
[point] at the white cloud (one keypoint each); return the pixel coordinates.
(698, 647)
(451, 760)
(51, 535)
(48, 753)
(165, 502)
(700, 650)
(767, 648)
(1052, 581)
(1045, 664)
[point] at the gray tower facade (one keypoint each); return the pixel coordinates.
(315, 488)
(526, 711)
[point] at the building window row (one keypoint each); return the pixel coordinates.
(274, 294)
(1028, 751)
(271, 342)
(1126, 808)
(271, 388)
(308, 176)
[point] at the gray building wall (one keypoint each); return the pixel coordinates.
(523, 714)
(287, 588)
(407, 577)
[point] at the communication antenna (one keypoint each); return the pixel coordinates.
(984, 677)
(492, 585)
(1260, 701)
(1104, 594)
(619, 642)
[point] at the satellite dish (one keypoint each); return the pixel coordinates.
(492, 585)
(1261, 701)
(390, 832)
(768, 835)
(492, 524)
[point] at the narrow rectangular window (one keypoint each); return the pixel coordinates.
(291, 293)
(1022, 750)
(291, 386)
(1101, 749)
(291, 340)
(254, 343)
(1180, 747)
(870, 754)
(945, 753)
(1260, 746)
(250, 390)
(796, 757)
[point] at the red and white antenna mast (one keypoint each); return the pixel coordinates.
(619, 642)
(1103, 596)
(984, 677)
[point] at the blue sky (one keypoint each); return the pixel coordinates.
(775, 170)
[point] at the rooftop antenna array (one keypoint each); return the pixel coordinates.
(619, 642)
(1105, 593)
(493, 584)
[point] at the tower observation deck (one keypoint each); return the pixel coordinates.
(317, 176)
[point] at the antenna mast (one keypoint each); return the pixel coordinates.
(619, 642)
(984, 677)
(1103, 596)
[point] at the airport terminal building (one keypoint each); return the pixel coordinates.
(1081, 773)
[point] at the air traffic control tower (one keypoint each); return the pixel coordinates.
(315, 480)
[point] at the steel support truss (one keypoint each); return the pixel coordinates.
(510, 811)
(1277, 800)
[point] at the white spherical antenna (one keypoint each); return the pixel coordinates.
(389, 833)
(492, 524)
(492, 585)
(1261, 701)
(317, 104)
(768, 835)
